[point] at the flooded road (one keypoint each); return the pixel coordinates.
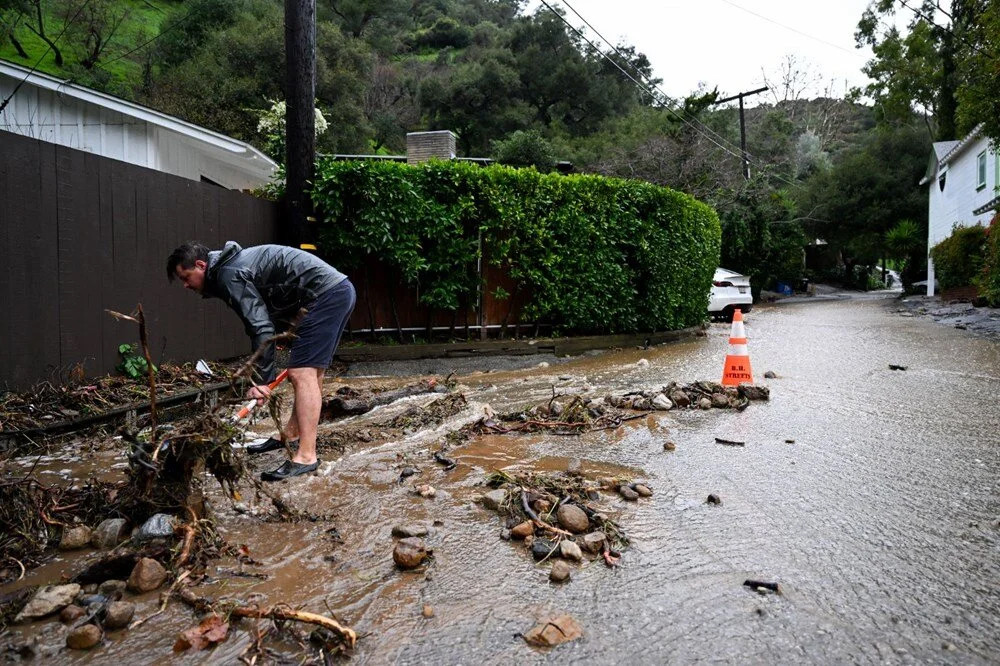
(880, 520)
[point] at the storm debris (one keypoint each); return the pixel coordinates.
(760, 585)
(729, 442)
(554, 631)
(896, 367)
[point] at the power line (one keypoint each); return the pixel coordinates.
(648, 81)
(665, 101)
(930, 19)
(787, 27)
(161, 33)
(41, 57)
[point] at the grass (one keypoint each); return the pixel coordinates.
(113, 73)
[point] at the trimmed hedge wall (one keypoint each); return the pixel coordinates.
(595, 254)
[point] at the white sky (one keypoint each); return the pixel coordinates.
(727, 43)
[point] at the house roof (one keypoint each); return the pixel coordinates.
(252, 157)
(945, 150)
(961, 145)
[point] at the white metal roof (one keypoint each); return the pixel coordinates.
(255, 158)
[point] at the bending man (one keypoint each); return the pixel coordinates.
(266, 286)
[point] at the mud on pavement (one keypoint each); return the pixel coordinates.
(421, 480)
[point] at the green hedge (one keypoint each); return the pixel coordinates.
(958, 259)
(989, 281)
(594, 254)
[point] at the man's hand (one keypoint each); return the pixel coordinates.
(259, 393)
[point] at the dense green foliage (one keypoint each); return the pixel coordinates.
(906, 244)
(592, 253)
(958, 259)
(989, 281)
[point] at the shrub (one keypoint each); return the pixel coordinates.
(989, 280)
(591, 253)
(525, 148)
(958, 259)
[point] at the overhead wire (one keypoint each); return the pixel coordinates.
(48, 48)
(664, 99)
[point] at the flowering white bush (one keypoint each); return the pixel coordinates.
(271, 124)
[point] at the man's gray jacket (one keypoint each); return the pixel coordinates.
(266, 285)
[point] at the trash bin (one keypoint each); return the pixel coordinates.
(784, 289)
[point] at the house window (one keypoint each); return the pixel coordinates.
(981, 171)
(943, 177)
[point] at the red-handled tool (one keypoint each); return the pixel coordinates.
(246, 409)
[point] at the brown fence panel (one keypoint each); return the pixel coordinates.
(81, 233)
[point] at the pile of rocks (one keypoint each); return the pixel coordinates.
(699, 395)
(90, 610)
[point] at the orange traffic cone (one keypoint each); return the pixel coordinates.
(737, 370)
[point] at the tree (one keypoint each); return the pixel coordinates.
(525, 148)
(10, 17)
(918, 70)
(978, 94)
(93, 24)
(869, 190)
(32, 15)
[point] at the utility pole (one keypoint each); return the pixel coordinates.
(300, 120)
(743, 126)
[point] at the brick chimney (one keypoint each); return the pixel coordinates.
(422, 146)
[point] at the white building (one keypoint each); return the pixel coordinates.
(61, 112)
(964, 181)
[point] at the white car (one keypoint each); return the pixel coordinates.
(730, 291)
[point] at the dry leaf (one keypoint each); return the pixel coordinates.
(209, 631)
(554, 631)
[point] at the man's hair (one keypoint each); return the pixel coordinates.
(185, 256)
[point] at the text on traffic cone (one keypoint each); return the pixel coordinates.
(737, 370)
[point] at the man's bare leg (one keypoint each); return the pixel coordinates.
(307, 383)
(291, 429)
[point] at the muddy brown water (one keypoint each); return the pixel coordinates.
(880, 521)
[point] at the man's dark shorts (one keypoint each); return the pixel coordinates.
(320, 330)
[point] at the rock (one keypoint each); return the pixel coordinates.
(560, 571)
(147, 575)
(159, 526)
(74, 538)
(540, 548)
(662, 402)
(680, 399)
(573, 518)
(112, 589)
(409, 553)
(574, 466)
(425, 490)
(110, 533)
(541, 506)
(753, 392)
(642, 405)
(565, 378)
(427, 611)
(493, 499)
(543, 364)
(407, 472)
(48, 600)
(555, 408)
(713, 499)
(405, 531)
(570, 550)
(643, 491)
(90, 588)
(70, 614)
(554, 631)
(594, 542)
(720, 400)
(669, 446)
(119, 614)
(705, 403)
(770, 374)
(88, 600)
(83, 638)
(522, 530)
(505, 534)
(628, 493)
(789, 441)
(642, 363)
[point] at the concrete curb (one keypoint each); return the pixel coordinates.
(557, 346)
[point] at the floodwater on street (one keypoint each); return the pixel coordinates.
(880, 520)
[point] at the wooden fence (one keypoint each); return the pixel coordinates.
(80, 233)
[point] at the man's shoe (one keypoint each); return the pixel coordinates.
(289, 469)
(271, 444)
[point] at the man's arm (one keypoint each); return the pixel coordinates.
(242, 296)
